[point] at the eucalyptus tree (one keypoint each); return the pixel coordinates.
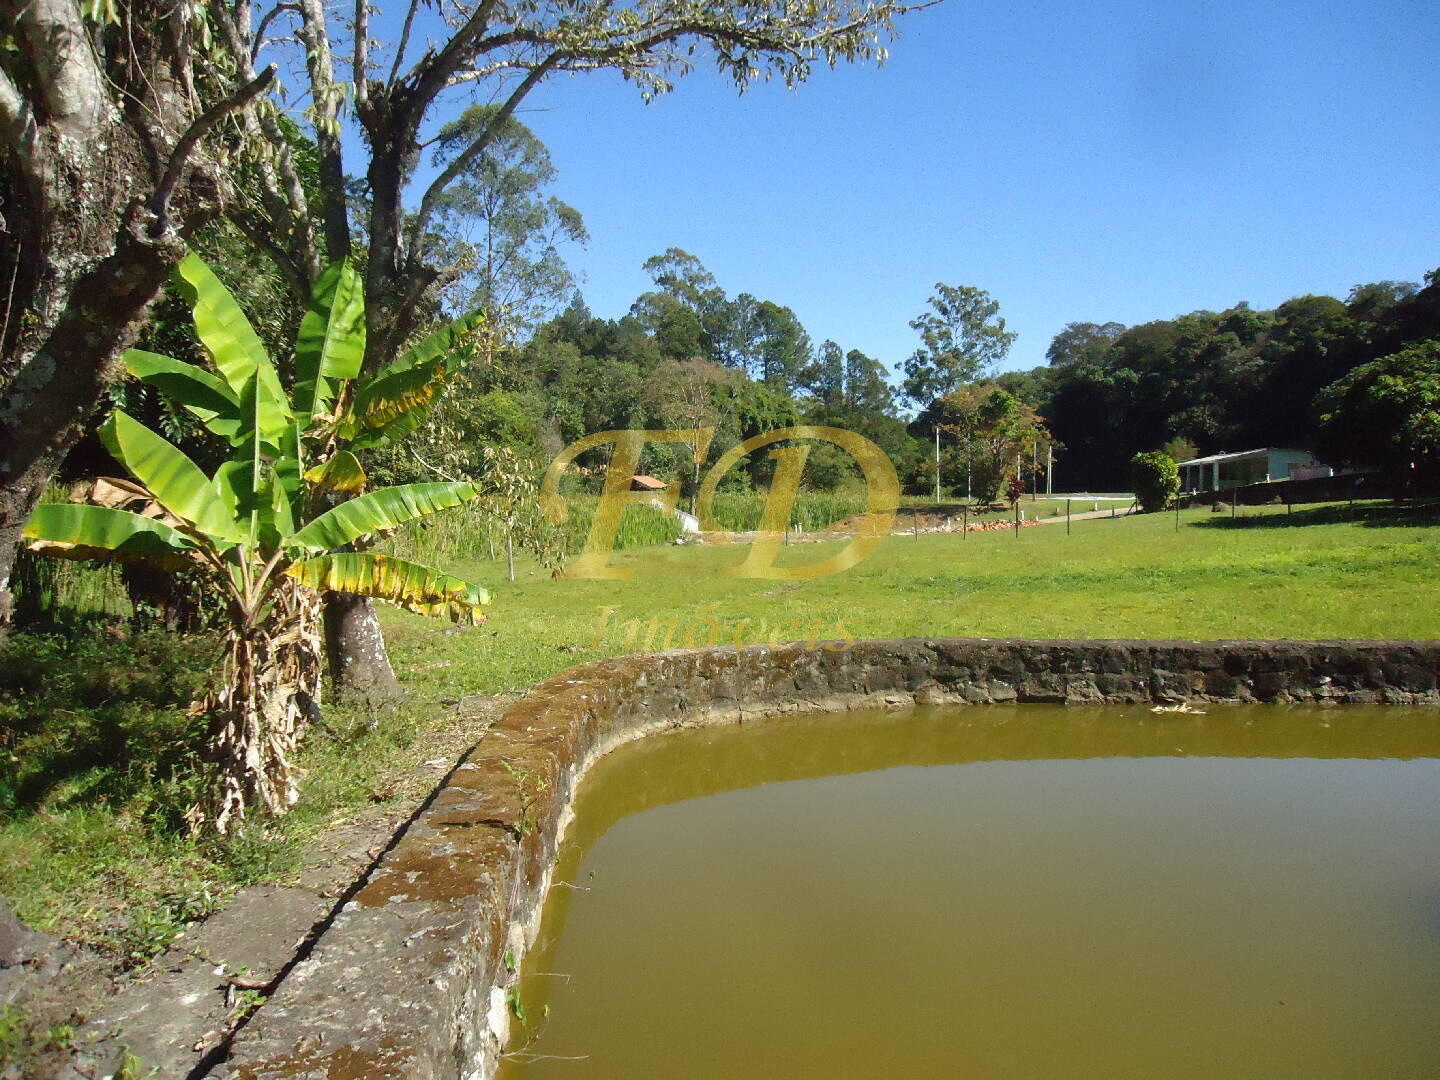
(963, 338)
(262, 528)
(505, 233)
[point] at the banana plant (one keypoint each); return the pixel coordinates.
(265, 524)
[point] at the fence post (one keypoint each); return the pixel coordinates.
(1067, 517)
(1017, 519)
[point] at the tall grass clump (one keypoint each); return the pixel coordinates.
(812, 510)
(474, 531)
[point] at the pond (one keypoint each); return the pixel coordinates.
(1029, 891)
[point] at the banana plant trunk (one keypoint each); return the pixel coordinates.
(268, 692)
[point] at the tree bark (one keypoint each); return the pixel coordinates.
(90, 119)
(355, 645)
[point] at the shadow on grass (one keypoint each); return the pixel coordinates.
(1379, 515)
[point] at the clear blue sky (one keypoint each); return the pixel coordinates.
(1097, 161)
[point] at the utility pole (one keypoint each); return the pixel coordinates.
(937, 464)
(1049, 469)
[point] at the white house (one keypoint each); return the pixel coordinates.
(1221, 472)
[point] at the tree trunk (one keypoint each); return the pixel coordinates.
(48, 403)
(355, 644)
(359, 662)
(86, 139)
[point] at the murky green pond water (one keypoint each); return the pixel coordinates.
(1035, 892)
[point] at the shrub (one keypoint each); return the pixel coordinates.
(1155, 479)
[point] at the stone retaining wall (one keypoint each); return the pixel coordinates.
(409, 981)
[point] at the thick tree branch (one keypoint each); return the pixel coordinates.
(18, 131)
(160, 203)
(66, 71)
(432, 72)
(360, 61)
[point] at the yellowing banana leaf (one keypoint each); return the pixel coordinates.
(406, 584)
(390, 406)
(176, 482)
(342, 472)
(331, 341)
(378, 510)
(78, 531)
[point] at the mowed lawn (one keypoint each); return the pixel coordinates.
(1321, 572)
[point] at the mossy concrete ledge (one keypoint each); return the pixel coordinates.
(409, 981)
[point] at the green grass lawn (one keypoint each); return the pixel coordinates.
(1320, 572)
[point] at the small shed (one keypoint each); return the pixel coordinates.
(647, 483)
(1221, 472)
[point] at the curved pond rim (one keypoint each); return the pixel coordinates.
(411, 979)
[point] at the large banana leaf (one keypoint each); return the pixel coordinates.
(377, 510)
(175, 481)
(236, 349)
(331, 341)
(79, 531)
(409, 585)
(205, 395)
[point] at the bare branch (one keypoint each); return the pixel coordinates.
(404, 42)
(160, 203)
(293, 265)
(265, 20)
(360, 62)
